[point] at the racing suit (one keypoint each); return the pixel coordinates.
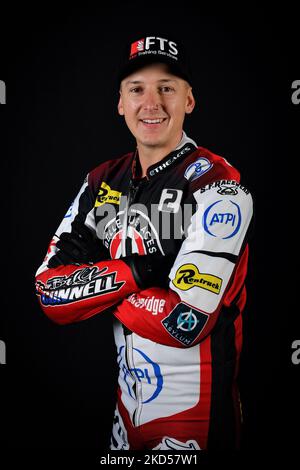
(178, 347)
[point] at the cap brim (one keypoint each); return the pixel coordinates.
(141, 62)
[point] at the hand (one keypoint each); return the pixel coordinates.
(150, 270)
(78, 246)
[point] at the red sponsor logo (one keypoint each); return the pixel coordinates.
(137, 46)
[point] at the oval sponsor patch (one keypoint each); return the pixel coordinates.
(197, 169)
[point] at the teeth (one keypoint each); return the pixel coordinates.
(153, 121)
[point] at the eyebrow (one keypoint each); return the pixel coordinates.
(138, 82)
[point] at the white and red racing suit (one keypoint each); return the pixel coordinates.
(178, 347)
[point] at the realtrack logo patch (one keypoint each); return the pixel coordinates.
(106, 195)
(188, 276)
(185, 323)
(82, 284)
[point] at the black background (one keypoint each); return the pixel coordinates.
(60, 121)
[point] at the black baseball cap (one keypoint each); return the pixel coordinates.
(147, 50)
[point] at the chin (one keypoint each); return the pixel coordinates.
(152, 142)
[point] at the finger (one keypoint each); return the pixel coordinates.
(60, 258)
(82, 230)
(72, 249)
(72, 239)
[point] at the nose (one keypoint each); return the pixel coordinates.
(152, 100)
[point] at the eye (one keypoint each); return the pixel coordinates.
(167, 89)
(136, 89)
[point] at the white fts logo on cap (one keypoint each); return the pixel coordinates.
(153, 45)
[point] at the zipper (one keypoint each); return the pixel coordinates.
(131, 369)
(133, 190)
(139, 398)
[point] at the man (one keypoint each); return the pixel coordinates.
(158, 238)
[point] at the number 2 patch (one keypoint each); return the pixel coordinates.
(170, 200)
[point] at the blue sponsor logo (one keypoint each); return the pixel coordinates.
(197, 169)
(185, 323)
(222, 219)
(150, 375)
(69, 212)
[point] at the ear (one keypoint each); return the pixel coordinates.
(120, 105)
(190, 101)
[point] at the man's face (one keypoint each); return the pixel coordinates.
(154, 103)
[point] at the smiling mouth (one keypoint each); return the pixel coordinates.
(153, 121)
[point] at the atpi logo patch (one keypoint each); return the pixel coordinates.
(150, 375)
(188, 276)
(222, 219)
(185, 323)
